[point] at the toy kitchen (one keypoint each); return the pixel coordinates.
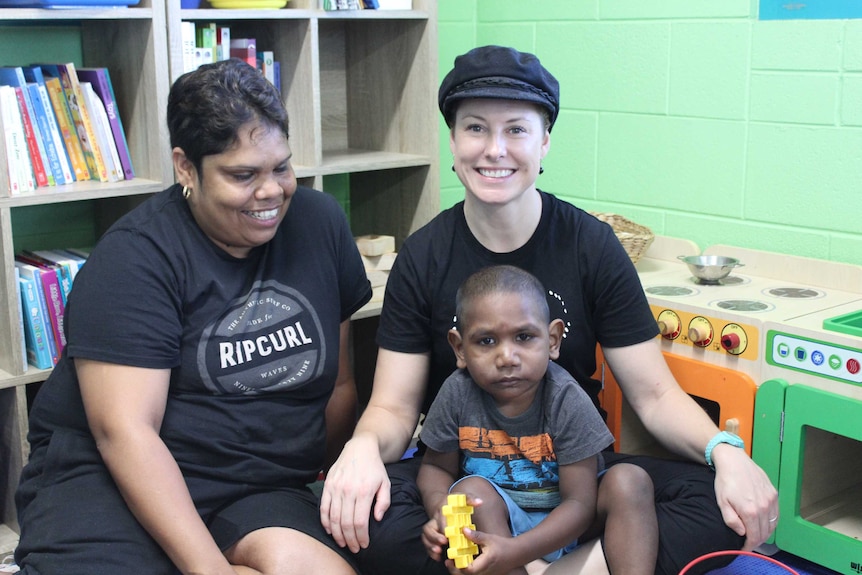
(773, 352)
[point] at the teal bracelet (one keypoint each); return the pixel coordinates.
(721, 437)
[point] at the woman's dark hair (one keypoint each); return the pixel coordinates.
(208, 106)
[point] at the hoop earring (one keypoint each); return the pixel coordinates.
(453, 167)
(187, 191)
(541, 170)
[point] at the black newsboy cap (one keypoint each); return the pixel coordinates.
(501, 73)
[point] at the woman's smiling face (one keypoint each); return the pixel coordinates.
(242, 194)
(497, 147)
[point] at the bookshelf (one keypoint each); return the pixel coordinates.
(360, 89)
(132, 44)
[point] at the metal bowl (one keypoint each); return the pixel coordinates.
(710, 269)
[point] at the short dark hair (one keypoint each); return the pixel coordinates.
(208, 106)
(500, 279)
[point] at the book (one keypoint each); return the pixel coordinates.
(53, 166)
(187, 34)
(11, 142)
(36, 348)
(104, 136)
(206, 37)
(67, 128)
(18, 159)
(100, 78)
(32, 144)
(80, 116)
(27, 270)
(223, 42)
(21, 328)
(63, 258)
(52, 290)
(245, 49)
(33, 74)
(268, 66)
(14, 76)
(61, 265)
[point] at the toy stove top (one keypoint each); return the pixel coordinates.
(767, 287)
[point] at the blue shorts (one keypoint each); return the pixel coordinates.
(521, 521)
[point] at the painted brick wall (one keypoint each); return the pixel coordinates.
(692, 116)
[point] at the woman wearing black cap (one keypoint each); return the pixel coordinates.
(501, 105)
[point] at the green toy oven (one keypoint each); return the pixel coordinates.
(808, 438)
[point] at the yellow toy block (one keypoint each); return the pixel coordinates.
(458, 515)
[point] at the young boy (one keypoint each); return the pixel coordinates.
(526, 441)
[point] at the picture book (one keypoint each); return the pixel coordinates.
(61, 257)
(14, 76)
(28, 270)
(102, 130)
(100, 78)
(11, 139)
(18, 158)
(67, 128)
(21, 328)
(80, 116)
(35, 335)
(33, 74)
(52, 290)
(32, 142)
(53, 167)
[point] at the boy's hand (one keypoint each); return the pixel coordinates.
(496, 556)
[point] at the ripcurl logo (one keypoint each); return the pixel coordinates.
(270, 340)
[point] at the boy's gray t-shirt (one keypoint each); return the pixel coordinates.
(520, 454)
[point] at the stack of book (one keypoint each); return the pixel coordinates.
(45, 279)
(61, 125)
(204, 43)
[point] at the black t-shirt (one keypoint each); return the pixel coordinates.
(252, 344)
(592, 286)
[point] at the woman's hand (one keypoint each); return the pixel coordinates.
(746, 497)
(434, 537)
(356, 480)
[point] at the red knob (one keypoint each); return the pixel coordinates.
(730, 341)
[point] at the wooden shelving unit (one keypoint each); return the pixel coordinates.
(360, 89)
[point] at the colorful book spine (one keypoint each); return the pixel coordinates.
(32, 141)
(14, 76)
(81, 118)
(21, 328)
(28, 270)
(245, 49)
(102, 130)
(53, 167)
(100, 78)
(67, 128)
(35, 335)
(33, 75)
(223, 42)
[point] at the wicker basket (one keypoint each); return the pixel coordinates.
(635, 238)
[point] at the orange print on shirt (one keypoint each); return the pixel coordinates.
(497, 444)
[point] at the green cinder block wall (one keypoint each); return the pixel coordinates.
(691, 117)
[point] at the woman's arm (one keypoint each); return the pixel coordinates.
(745, 495)
(341, 409)
(125, 406)
(358, 478)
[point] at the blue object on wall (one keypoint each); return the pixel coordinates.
(809, 9)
